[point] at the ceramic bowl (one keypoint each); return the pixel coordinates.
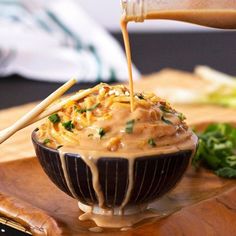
(153, 175)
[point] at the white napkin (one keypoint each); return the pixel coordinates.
(54, 40)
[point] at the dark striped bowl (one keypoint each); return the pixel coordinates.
(153, 175)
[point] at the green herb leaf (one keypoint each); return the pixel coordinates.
(54, 118)
(68, 125)
(89, 109)
(129, 126)
(151, 142)
(217, 150)
(181, 116)
(101, 132)
(81, 110)
(166, 121)
(93, 107)
(46, 141)
(90, 135)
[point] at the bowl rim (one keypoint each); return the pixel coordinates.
(33, 136)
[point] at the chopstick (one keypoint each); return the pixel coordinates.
(59, 105)
(27, 118)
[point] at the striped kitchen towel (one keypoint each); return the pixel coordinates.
(53, 40)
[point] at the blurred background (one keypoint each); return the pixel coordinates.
(43, 43)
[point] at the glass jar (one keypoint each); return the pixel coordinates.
(213, 13)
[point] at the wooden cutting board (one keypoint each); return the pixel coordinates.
(27, 196)
(207, 203)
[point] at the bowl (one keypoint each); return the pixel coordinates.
(154, 175)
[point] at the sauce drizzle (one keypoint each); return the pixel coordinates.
(124, 30)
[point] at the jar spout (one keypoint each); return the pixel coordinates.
(133, 10)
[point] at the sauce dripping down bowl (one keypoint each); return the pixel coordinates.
(153, 175)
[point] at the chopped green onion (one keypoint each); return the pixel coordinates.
(93, 107)
(216, 150)
(181, 116)
(68, 125)
(129, 126)
(101, 132)
(60, 146)
(165, 109)
(46, 141)
(140, 96)
(81, 111)
(54, 118)
(89, 109)
(151, 142)
(166, 121)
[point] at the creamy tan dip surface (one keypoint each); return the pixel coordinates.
(103, 120)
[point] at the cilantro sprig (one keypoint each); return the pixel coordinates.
(217, 150)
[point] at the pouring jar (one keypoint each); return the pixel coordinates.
(212, 13)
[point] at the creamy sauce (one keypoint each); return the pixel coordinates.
(92, 163)
(117, 221)
(216, 18)
(66, 176)
(96, 229)
(123, 216)
(129, 60)
(130, 185)
(112, 219)
(224, 19)
(125, 228)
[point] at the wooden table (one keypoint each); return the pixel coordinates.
(28, 197)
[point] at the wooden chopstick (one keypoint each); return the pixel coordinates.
(59, 105)
(30, 116)
(56, 107)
